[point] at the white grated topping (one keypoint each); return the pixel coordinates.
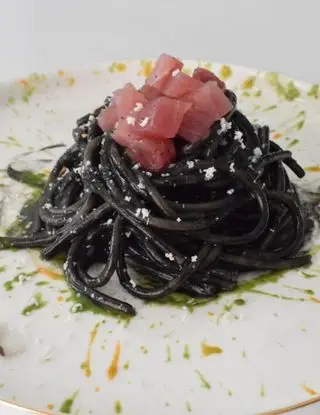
(231, 168)
(65, 266)
(92, 118)
(169, 255)
(138, 107)
(257, 152)
(48, 205)
(178, 219)
(144, 122)
(194, 258)
(230, 191)
(209, 173)
(148, 173)
(141, 185)
(127, 198)
(128, 234)
(136, 166)
(224, 126)
(116, 124)
(133, 283)
(238, 136)
(145, 213)
(175, 72)
(131, 120)
(190, 164)
(138, 211)
(109, 222)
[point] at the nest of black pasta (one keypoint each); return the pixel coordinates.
(226, 206)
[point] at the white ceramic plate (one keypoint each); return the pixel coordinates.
(268, 346)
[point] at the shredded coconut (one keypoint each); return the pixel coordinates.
(194, 258)
(190, 164)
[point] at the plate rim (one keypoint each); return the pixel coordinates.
(52, 72)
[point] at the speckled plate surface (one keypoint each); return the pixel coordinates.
(62, 357)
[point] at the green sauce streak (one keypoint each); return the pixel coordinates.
(144, 349)
(9, 285)
(82, 304)
(262, 391)
(169, 355)
(314, 91)
(11, 142)
(33, 179)
(308, 275)
(1, 385)
(313, 251)
(279, 296)
(230, 392)
(117, 407)
(302, 290)
(244, 354)
(293, 143)
(19, 226)
(270, 277)
(204, 383)
(270, 108)
(11, 100)
(180, 300)
(287, 91)
(37, 305)
(300, 125)
(3, 268)
(186, 352)
(188, 407)
(66, 407)
(126, 366)
(42, 283)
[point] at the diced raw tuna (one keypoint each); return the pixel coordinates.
(124, 134)
(162, 71)
(149, 92)
(108, 118)
(180, 84)
(126, 100)
(209, 105)
(211, 100)
(160, 118)
(153, 155)
(195, 125)
(203, 75)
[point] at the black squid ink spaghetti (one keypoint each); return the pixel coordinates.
(172, 181)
